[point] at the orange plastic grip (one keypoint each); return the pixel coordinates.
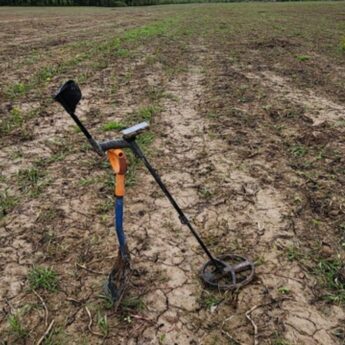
(118, 162)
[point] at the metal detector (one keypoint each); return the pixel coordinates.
(226, 272)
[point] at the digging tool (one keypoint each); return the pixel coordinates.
(226, 272)
(120, 274)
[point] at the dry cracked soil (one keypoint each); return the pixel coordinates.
(247, 131)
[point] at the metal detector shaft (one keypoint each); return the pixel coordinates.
(87, 134)
(184, 220)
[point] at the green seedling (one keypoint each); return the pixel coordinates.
(302, 58)
(342, 45)
(328, 272)
(133, 303)
(208, 301)
(284, 290)
(7, 203)
(145, 113)
(17, 89)
(298, 150)
(280, 341)
(113, 125)
(15, 120)
(87, 181)
(205, 192)
(16, 327)
(102, 322)
(294, 253)
(43, 278)
(31, 180)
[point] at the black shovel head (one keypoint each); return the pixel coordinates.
(68, 96)
(118, 279)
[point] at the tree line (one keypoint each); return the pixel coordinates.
(109, 3)
(106, 3)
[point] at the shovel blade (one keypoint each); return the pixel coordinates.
(118, 279)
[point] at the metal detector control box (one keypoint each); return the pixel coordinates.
(134, 130)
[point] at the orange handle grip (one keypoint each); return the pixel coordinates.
(118, 162)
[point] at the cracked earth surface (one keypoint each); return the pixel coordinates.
(223, 137)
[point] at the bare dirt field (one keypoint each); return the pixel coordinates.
(247, 111)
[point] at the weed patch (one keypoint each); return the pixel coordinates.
(43, 278)
(31, 180)
(7, 203)
(16, 327)
(330, 274)
(112, 125)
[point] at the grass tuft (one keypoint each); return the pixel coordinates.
(112, 125)
(7, 203)
(14, 120)
(16, 327)
(302, 58)
(208, 300)
(31, 180)
(133, 303)
(329, 273)
(43, 278)
(342, 45)
(103, 324)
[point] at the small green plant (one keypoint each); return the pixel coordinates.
(76, 129)
(56, 337)
(302, 58)
(17, 89)
(298, 150)
(212, 115)
(16, 327)
(328, 272)
(208, 301)
(105, 206)
(280, 341)
(112, 125)
(107, 302)
(43, 278)
(16, 117)
(102, 322)
(133, 303)
(342, 45)
(155, 93)
(46, 74)
(205, 192)
(87, 181)
(122, 52)
(294, 254)
(31, 180)
(14, 120)
(7, 203)
(284, 290)
(146, 113)
(162, 338)
(145, 139)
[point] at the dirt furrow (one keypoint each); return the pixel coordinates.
(169, 251)
(240, 209)
(318, 108)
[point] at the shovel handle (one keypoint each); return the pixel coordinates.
(118, 162)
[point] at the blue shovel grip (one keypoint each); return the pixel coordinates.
(119, 225)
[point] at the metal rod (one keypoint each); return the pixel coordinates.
(87, 134)
(184, 220)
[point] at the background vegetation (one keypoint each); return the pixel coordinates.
(106, 3)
